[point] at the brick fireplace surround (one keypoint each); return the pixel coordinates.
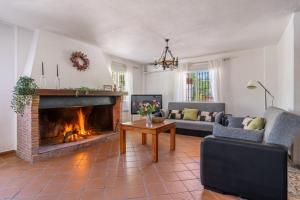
(28, 132)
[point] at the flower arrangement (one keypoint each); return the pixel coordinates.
(148, 108)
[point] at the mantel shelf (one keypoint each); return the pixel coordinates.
(71, 92)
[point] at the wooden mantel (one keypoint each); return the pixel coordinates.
(72, 92)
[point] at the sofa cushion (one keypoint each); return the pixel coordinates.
(270, 116)
(257, 123)
(193, 125)
(175, 114)
(235, 122)
(285, 129)
(219, 116)
(207, 116)
(190, 114)
(237, 133)
(164, 112)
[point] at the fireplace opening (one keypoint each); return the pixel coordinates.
(64, 125)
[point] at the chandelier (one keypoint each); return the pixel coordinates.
(166, 60)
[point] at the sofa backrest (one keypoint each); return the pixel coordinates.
(270, 116)
(209, 107)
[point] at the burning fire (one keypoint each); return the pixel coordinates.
(73, 131)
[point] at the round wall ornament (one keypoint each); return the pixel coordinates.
(80, 60)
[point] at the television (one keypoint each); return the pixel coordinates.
(137, 99)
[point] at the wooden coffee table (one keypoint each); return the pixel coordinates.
(154, 129)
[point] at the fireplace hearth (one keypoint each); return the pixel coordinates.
(58, 122)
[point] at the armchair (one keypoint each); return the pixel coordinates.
(253, 167)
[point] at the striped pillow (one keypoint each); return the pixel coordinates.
(207, 116)
(175, 114)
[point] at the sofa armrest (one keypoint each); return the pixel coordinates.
(248, 169)
(237, 133)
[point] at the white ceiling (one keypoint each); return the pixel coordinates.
(134, 29)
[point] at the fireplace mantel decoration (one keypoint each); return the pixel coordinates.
(58, 122)
(80, 60)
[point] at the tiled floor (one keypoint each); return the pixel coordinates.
(99, 172)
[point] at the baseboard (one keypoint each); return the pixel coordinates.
(4, 153)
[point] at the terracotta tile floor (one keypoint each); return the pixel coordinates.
(99, 172)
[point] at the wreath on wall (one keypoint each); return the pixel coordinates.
(80, 60)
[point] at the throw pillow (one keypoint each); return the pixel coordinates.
(219, 116)
(207, 116)
(175, 114)
(247, 121)
(164, 112)
(190, 114)
(257, 123)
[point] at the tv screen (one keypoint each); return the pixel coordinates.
(136, 100)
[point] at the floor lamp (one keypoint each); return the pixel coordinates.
(253, 85)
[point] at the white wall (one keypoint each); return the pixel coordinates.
(13, 52)
(160, 83)
(297, 63)
(135, 67)
(255, 64)
(53, 49)
(22, 52)
(285, 58)
(7, 80)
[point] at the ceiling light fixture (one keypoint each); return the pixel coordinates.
(165, 62)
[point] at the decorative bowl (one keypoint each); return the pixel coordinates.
(158, 119)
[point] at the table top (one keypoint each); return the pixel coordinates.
(142, 124)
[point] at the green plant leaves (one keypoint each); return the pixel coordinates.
(22, 94)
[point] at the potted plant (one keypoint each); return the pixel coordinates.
(146, 109)
(22, 94)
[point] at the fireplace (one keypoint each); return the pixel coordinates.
(58, 122)
(63, 125)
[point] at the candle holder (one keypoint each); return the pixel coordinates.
(42, 81)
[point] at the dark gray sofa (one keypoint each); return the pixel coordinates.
(195, 128)
(250, 169)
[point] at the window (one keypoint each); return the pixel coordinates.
(198, 86)
(119, 80)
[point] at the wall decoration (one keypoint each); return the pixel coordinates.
(107, 87)
(80, 60)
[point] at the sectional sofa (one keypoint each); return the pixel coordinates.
(195, 128)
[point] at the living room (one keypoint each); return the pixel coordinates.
(150, 99)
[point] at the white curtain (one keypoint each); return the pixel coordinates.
(128, 86)
(180, 82)
(215, 73)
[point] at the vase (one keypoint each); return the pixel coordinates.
(149, 119)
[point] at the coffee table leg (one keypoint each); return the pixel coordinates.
(122, 141)
(172, 139)
(144, 138)
(155, 147)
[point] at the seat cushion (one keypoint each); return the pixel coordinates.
(237, 133)
(193, 125)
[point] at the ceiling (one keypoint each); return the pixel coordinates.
(135, 29)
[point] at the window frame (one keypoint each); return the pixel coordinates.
(193, 94)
